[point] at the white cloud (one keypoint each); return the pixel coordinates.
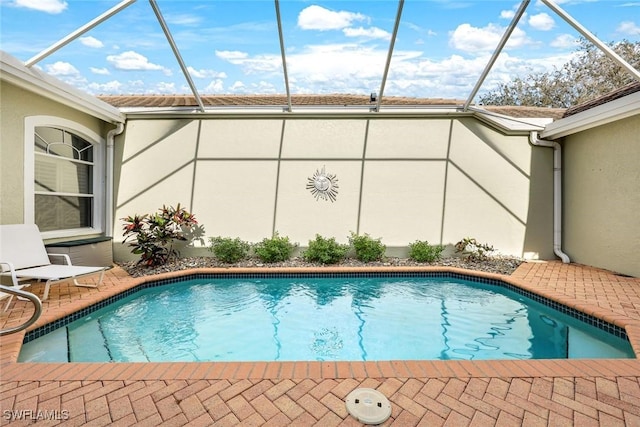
(138, 87)
(61, 68)
(136, 83)
(67, 73)
(260, 87)
(113, 86)
(455, 76)
(629, 28)
(477, 40)
(564, 41)
(100, 71)
(130, 61)
(447, 76)
(264, 87)
(353, 68)
(216, 86)
(372, 33)
(542, 22)
(203, 74)
(345, 68)
(164, 87)
(264, 63)
(48, 6)
(510, 14)
(91, 42)
(507, 14)
(318, 18)
(231, 55)
(184, 19)
(237, 86)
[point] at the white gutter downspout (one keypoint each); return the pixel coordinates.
(557, 193)
(111, 136)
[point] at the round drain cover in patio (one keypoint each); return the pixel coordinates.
(368, 406)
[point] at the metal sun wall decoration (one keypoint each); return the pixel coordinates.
(323, 185)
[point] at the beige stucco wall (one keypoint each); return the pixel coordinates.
(602, 196)
(404, 179)
(15, 105)
(436, 179)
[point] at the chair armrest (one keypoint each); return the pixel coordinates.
(12, 271)
(67, 260)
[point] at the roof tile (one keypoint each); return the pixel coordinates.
(170, 101)
(611, 96)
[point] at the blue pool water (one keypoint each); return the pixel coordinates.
(324, 319)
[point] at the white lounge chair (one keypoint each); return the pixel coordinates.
(24, 258)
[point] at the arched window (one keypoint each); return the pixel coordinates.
(66, 178)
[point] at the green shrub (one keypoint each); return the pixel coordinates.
(275, 249)
(229, 250)
(367, 248)
(471, 249)
(152, 236)
(325, 251)
(422, 251)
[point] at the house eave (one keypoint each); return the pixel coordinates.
(15, 72)
(510, 125)
(505, 124)
(297, 112)
(597, 116)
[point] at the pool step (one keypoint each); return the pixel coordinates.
(88, 344)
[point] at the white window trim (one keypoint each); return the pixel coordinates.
(30, 124)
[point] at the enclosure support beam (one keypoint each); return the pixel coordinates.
(593, 39)
(496, 53)
(176, 52)
(77, 33)
(390, 53)
(284, 56)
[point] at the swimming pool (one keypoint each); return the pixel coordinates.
(345, 317)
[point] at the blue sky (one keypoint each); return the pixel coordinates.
(232, 47)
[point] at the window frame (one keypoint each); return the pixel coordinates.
(99, 178)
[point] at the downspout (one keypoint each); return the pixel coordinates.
(557, 193)
(111, 136)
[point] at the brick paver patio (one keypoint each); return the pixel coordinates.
(425, 393)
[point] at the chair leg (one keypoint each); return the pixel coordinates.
(20, 287)
(84, 285)
(6, 306)
(46, 290)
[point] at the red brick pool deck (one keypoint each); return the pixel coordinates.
(422, 393)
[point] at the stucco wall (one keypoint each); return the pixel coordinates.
(16, 105)
(602, 196)
(402, 180)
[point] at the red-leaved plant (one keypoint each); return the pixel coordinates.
(152, 236)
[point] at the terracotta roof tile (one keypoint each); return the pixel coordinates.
(168, 101)
(263, 100)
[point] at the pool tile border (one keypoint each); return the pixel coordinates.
(594, 321)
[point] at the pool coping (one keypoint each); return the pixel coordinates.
(18, 371)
